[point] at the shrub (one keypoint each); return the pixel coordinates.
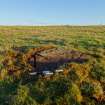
(30, 101)
(73, 76)
(98, 73)
(3, 74)
(75, 92)
(21, 96)
(87, 88)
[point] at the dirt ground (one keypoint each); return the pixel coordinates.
(54, 59)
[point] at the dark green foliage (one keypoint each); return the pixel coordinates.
(56, 89)
(87, 89)
(7, 89)
(98, 73)
(73, 76)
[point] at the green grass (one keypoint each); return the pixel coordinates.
(71, 37)
(84, 82)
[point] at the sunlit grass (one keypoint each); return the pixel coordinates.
(82, 84)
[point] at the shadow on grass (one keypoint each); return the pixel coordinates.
(86, 44)
(36, 39)
(54, 61)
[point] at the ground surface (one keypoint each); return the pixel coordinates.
(82, 48)
(54, 59)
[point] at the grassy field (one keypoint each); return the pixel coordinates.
(83, 84)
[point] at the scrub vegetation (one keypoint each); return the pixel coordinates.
(79, 51)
